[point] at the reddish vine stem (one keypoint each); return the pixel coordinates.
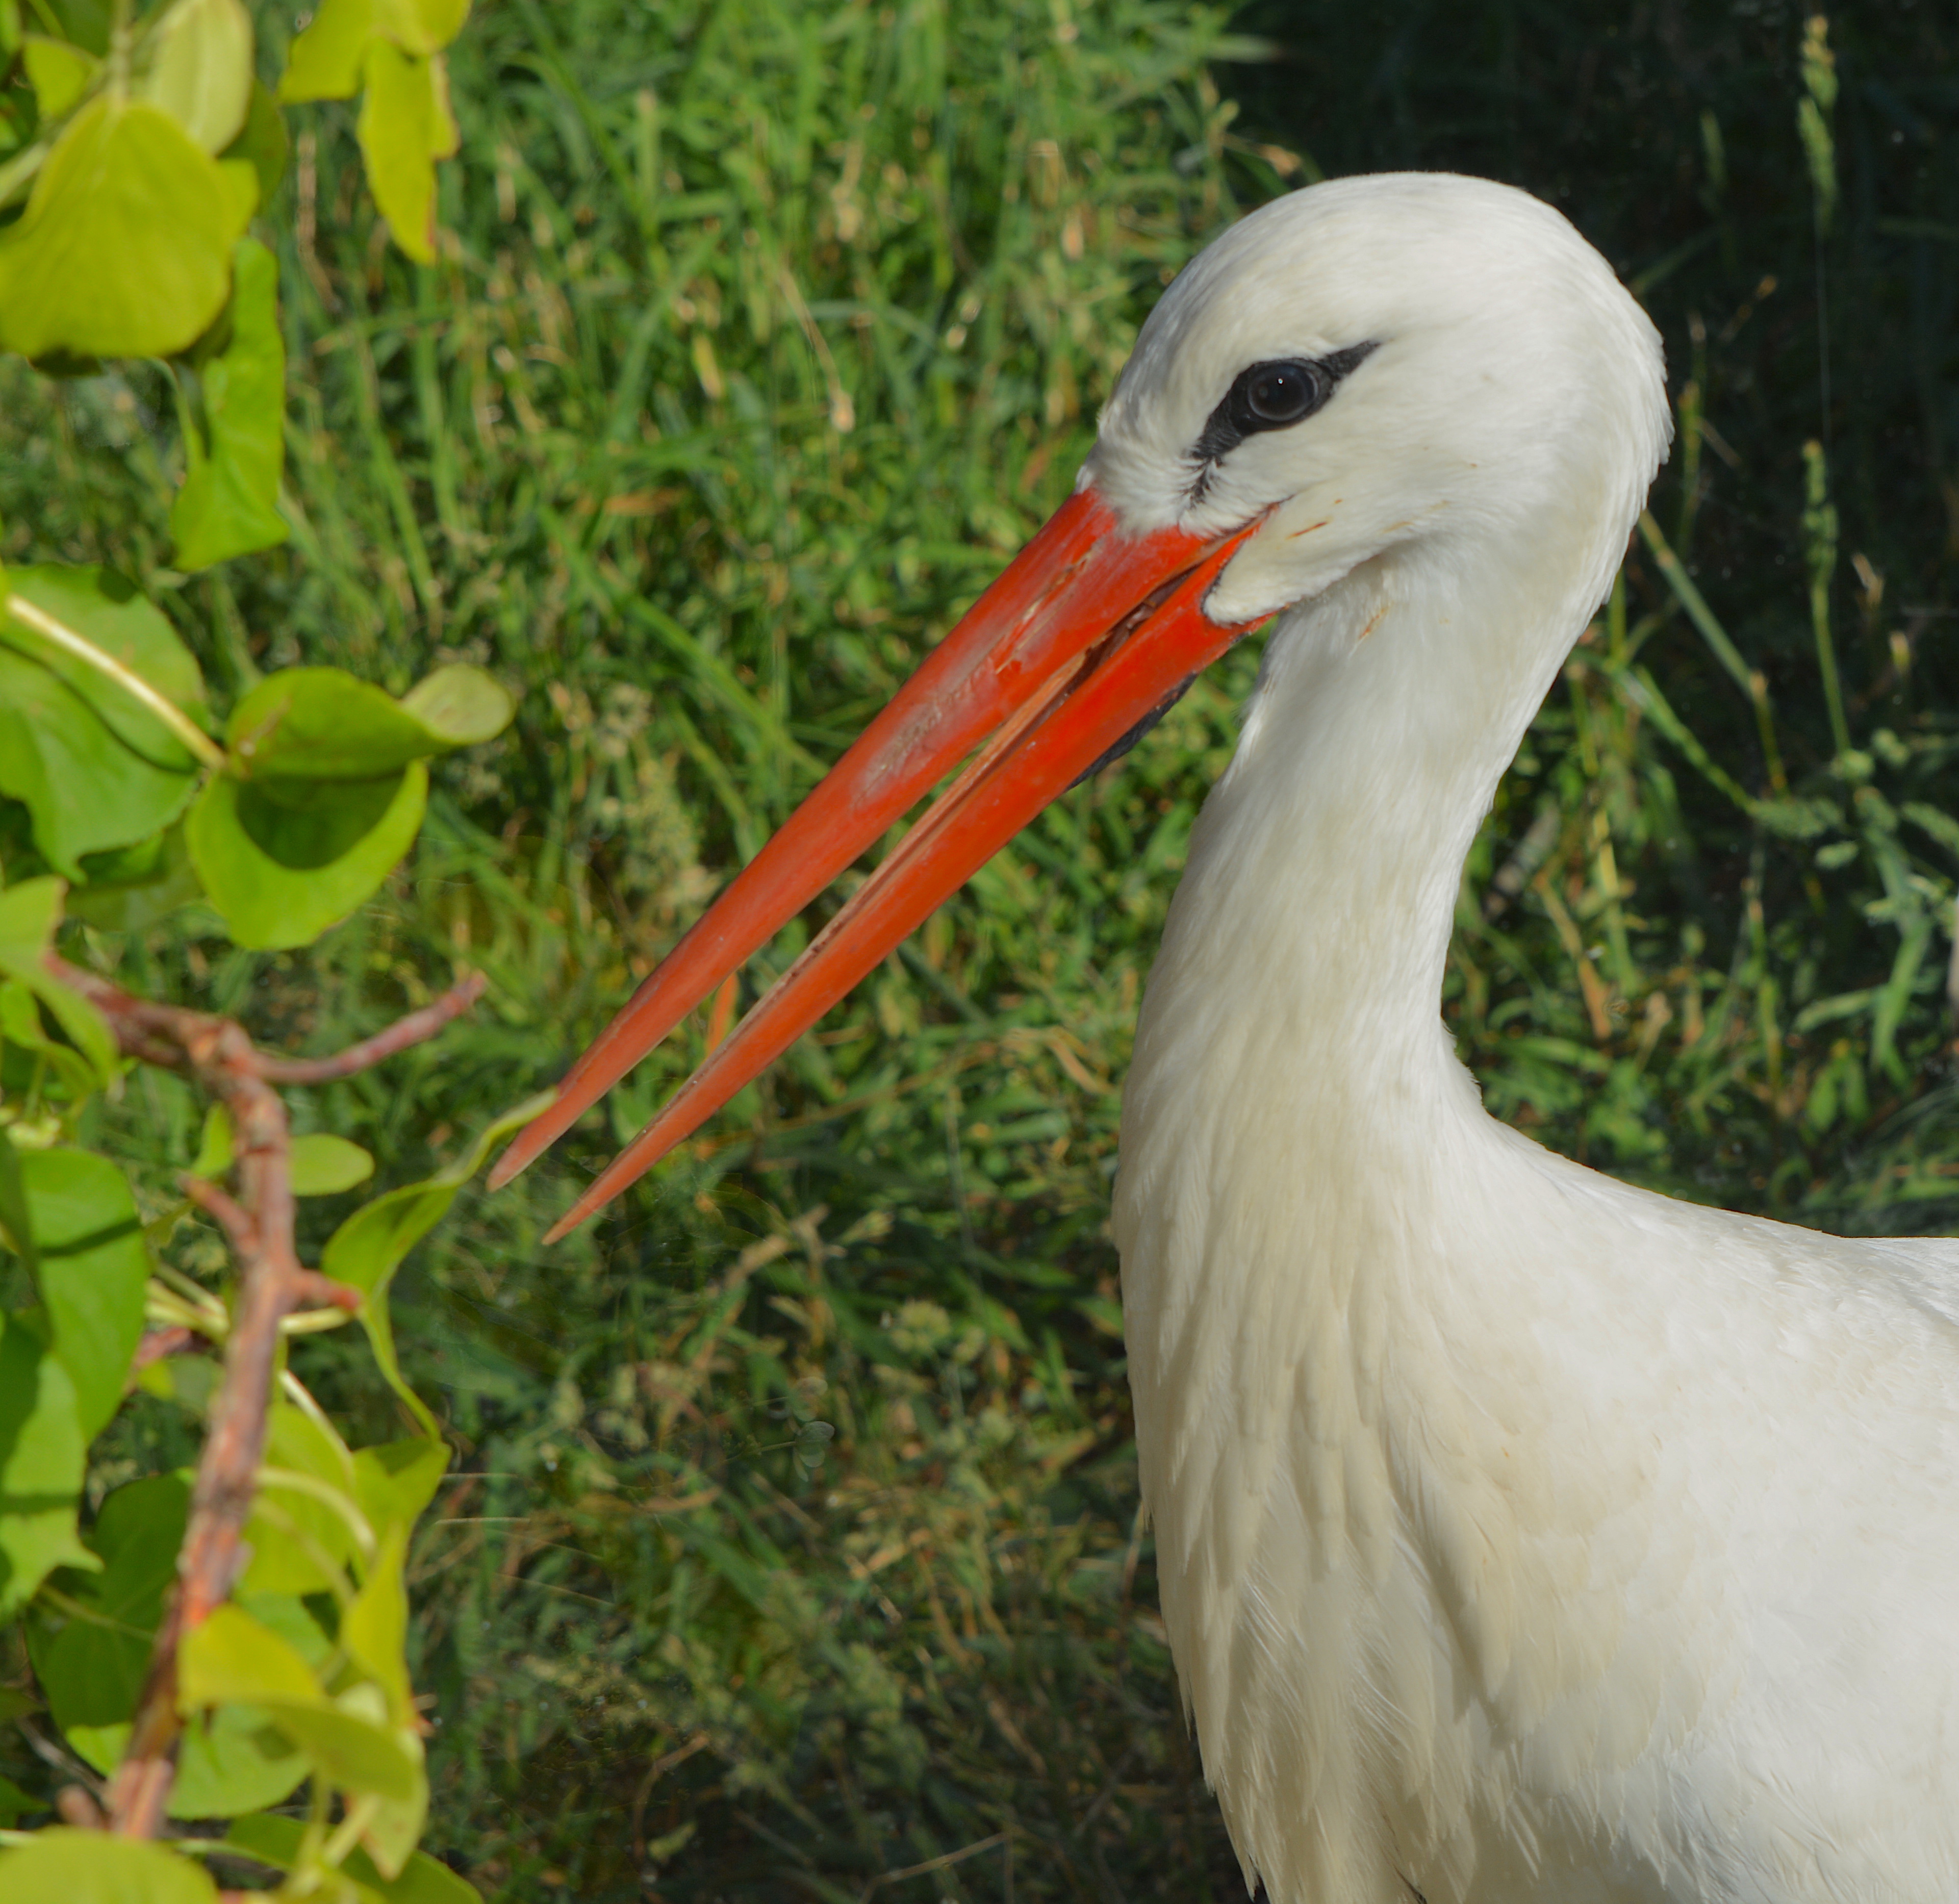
(272, 1284)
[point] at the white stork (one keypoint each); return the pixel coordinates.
(1523, 1535)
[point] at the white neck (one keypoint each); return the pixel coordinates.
(1309, 1184)
(1314, 919)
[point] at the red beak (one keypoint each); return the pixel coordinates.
(1086, 634)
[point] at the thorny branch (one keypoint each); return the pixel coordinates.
(272, 1284)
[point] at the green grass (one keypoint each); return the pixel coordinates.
(767, 332)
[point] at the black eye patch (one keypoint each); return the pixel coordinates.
(1273, 395)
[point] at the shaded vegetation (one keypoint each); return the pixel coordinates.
(794, 1537)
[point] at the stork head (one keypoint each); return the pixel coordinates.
(1366, 365)
(1376, 361)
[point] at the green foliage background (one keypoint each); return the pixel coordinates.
(794, 1540)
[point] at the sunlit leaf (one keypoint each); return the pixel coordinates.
(230, 1658)
(355, 1752)
(93, 1265)
(322, 723)
(296, 1536)
(461, 705)
(375, 1628)
(228, 504)
(28, 915)
(215, 1153)
(200, 68)
(406, 125)
(61, 1866)
(368, 1248)
(43, 1452)
(395, 1481)
(424, 1880)
(94, 1666)
(325, 60)
(59, 72)
(96, 769)
(322, 1165)
(125, 249)
(235, 1761)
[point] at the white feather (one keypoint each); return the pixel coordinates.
(1522, 1535)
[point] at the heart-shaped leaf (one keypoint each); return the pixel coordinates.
(125, 249)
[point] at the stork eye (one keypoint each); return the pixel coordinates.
(1272, 395)
(1276, 394)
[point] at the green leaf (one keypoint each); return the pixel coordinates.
(281, 875)
(325, 60)
(406, 125)
(237, 1760)
(322, 723)
(355, 1752)
(125, 249)
(375, 1628)
(97, 768)
(200, 69)
(368, 1248)
(93, 1267)
(234, 1760)
(324, 1165)
(262, 142)
(110, 611)
(215, 1153)
(43, 1453)
(461, 705)
(227, 506)
(86, 22)
(291, 1533)
(232, 1659)
(84, 791)
(62, 1866)
(424, 1880)
(59, 72)
(20, 1026)
(93, 1666)
(14, 1803)
(132, 888)
(16, 1233)
(396, 1480)
(28, 914)
(92, 1669)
